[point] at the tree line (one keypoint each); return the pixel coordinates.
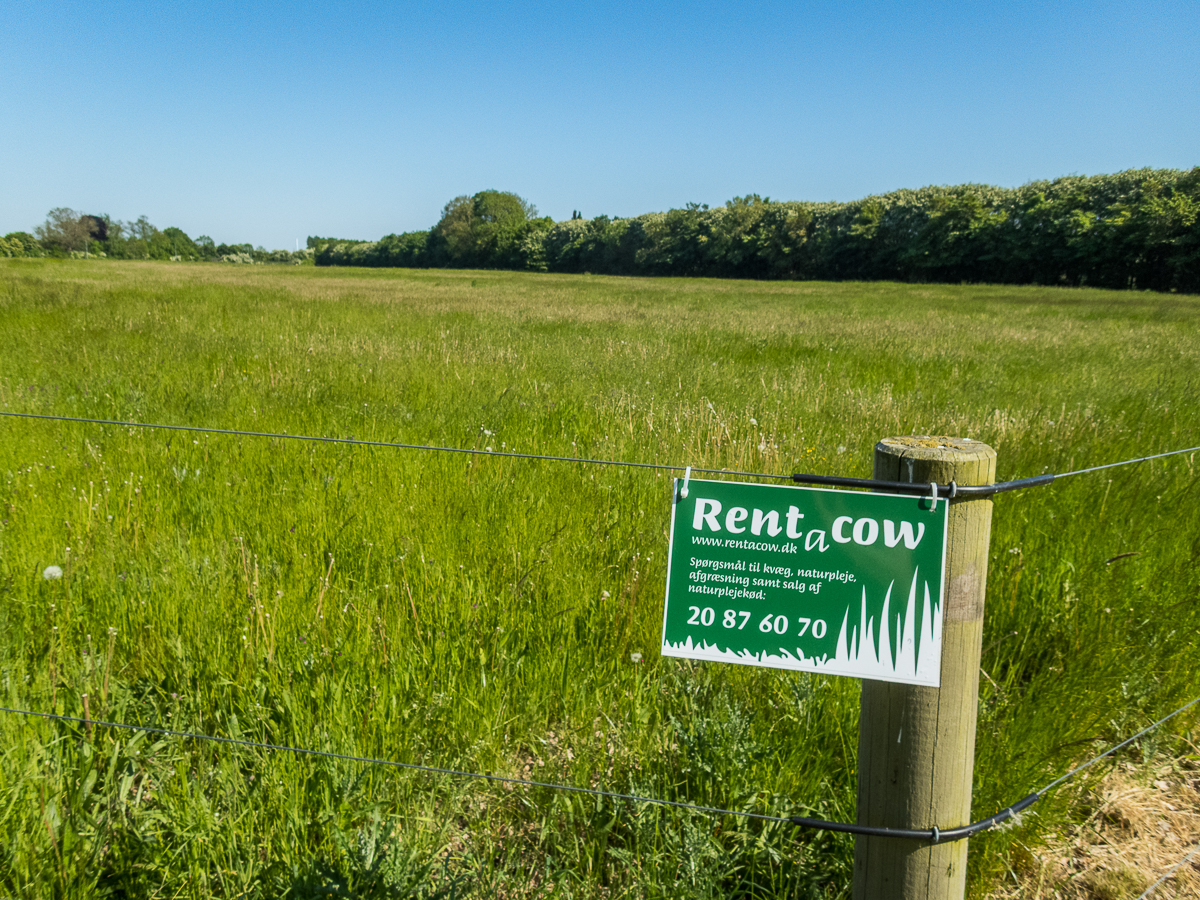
(1134, 229)
(69, 233)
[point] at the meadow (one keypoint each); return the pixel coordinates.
(503, 615)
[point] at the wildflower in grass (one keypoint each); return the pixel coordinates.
(52, 572)
(636, 656)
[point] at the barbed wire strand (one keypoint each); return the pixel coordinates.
(939, 835)
(1127, 462)
(347, 757)
(944, 490)
(1111, 750)
(934, 834)
(472, 451)
(1167, 874)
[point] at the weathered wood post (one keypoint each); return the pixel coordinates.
(916, 745)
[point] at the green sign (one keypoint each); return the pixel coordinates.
(837, 582)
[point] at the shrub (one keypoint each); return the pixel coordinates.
(20, 243)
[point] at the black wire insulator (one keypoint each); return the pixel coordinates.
(933, 835)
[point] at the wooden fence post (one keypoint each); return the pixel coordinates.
(916, 745)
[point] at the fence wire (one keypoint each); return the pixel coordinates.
(1167, 874)
(933, 835)
(367, 760)
(949, 491)
(1111, 750)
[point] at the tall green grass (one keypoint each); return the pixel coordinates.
(486, 614)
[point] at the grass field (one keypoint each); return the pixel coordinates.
(487, 614)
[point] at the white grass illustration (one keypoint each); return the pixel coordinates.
(916, 662)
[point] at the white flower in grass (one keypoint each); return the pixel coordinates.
(636, 656)
(52, 572)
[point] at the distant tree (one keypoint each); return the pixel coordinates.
(499, 221)
(484, 230)
(139, 244)
(115, 243)
(452, 237)
(64, 230)
(502, 206)
(142, 230)
(97, 227)
(178, 243)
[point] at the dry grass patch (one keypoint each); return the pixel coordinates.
(1133, 830)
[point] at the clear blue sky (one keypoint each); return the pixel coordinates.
(269, 122)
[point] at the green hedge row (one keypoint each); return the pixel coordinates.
(70, 233)
(1135, 229)
(20, 243)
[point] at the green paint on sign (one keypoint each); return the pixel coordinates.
(836, 582)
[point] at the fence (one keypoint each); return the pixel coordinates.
(934, 835)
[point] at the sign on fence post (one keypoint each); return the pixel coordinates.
(836, 582)
(916, 745)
